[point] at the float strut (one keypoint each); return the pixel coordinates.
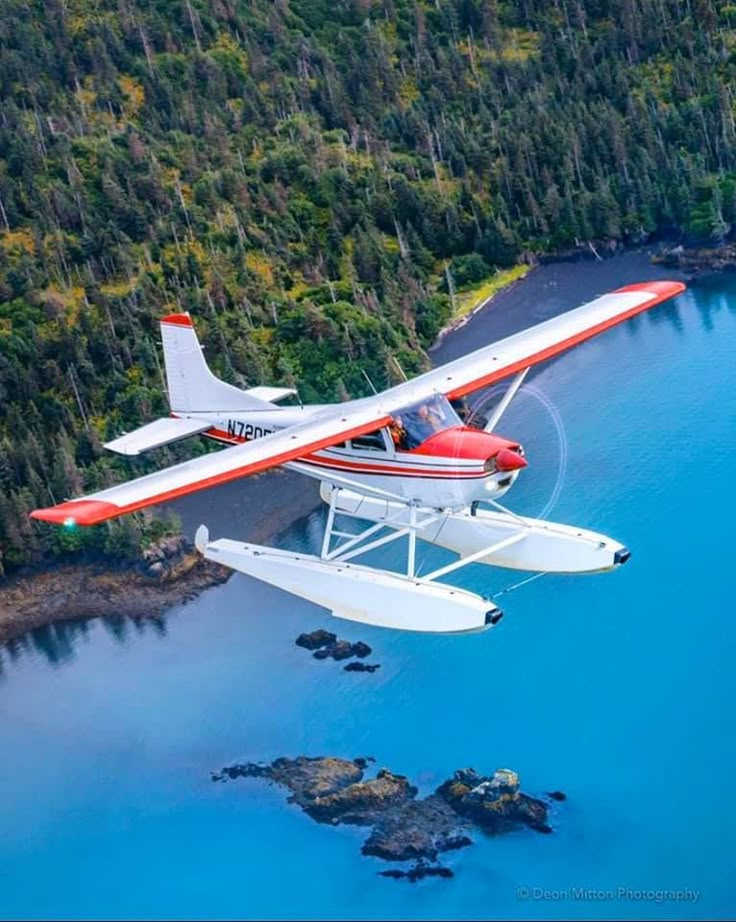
(483, 552)
(412, 555)
(329, 525)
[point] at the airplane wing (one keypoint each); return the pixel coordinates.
(535, 345)
(335, 424)
(319, 431)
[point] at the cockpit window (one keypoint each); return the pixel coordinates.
(370, 441)
(413, 425)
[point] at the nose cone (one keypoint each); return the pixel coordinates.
(507, 460)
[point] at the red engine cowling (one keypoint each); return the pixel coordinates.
(493, 451)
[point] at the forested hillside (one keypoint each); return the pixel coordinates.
(298, 174)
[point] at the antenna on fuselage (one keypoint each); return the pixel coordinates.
(398, 366)
(370, 383)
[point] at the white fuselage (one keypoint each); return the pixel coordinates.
(372, 461)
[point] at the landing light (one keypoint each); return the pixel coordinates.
(70, 523)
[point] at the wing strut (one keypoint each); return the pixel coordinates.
(506, 401)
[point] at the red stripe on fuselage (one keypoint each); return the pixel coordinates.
(365, 467)
(426, 474)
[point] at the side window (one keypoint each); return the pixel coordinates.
(371, 441)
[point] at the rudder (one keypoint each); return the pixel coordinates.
(191, 385)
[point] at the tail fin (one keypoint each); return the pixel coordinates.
(192, 386)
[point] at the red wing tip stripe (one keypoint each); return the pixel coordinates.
(179, 320)
(77, 512)
(661, 289)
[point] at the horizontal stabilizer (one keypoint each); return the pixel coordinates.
(271, 394)
(155, 434)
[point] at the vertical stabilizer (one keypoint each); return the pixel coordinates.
(192, 386)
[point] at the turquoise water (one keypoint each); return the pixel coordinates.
(617, 689)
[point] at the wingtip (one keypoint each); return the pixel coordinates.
(661, 288)
(77, 512)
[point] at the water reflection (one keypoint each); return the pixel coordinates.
(58, 644)
(709, 306)
(117, 627)
(713, 296)
(671, 315)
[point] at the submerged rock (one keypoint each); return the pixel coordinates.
(403, 827)
(418, 872)
(361, 667)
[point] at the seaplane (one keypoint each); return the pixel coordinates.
(407, 463)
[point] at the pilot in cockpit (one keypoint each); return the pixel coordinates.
(398, 433)
(429, 414)
(418, 423)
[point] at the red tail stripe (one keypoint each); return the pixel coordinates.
(178, 320)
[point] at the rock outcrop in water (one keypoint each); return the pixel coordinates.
(326, 645)
(402, 826)
(316, 640)
(494, 803)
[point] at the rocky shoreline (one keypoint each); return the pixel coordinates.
(403, 827)
(167, 574)
(697, 261)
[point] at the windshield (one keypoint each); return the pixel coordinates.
(413, 425)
